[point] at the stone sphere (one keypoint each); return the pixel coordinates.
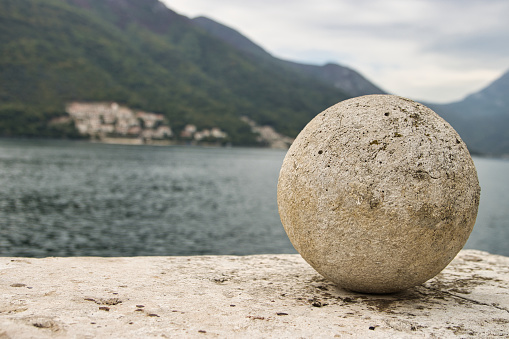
(378, 193)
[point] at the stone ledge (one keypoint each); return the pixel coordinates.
(256, 296)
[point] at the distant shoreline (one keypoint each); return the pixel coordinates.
(152, 142)
(140, 142)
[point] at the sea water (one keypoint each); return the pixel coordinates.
(64, 198)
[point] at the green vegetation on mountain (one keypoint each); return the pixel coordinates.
(343, 78)
(481, 118)
(145, 56)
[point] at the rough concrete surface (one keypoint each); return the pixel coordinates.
(378, 193)
(259, 296)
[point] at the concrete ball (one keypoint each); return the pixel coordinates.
(378, 193)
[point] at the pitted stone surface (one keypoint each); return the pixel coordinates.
(262, 296)
(378, 193)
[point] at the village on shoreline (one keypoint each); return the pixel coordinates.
(111, 123)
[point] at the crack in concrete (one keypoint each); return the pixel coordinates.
(435, 290)
(475, 301)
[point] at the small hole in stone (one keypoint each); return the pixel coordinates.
(386, 114)
(320, 152)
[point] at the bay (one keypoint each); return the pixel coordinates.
(491, 230)
(64, 198)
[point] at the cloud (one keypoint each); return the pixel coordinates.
(430, 50)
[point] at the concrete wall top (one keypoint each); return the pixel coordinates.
(257, 296)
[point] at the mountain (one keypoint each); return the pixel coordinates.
(231, 37)
(143, 55)
(53, 52)
(343, 78)
(482, 118)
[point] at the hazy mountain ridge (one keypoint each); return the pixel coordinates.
(193, 71)
(342, 78)
(482, 118)
(230, 36)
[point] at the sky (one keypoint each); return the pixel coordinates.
(428, 50)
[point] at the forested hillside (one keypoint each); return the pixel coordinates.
(340, 77)
(142, 55)
(145, 56)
